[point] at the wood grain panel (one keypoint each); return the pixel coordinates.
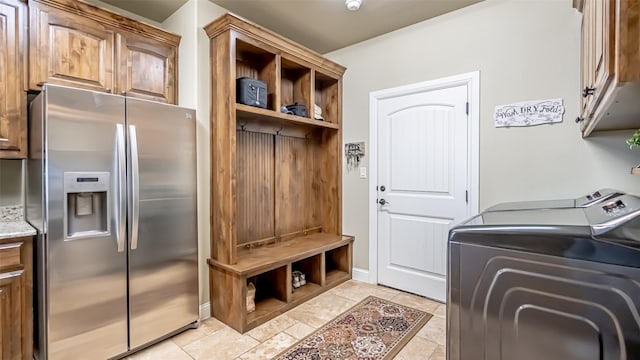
(13, 114)
(270, 39)
(11, 309)
(223, 150)
(326, 96)
(329, 173)
(256, 181)
(10, 254)
(629, 41)
(295, 85)
(77, 55)
(313, 185)
(264, 258)
(228, 297)
(16, 295)
(292, 182)
(83, 10)
(147, 69)
(69, 50)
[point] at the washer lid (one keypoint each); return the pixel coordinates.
(583, 201)
(531, 205)
(529, 218)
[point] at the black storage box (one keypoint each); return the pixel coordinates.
(298, 109)
(251, 92)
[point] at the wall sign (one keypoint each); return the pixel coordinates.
(353, 153)
(529, 113)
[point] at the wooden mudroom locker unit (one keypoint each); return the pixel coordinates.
(276, 182)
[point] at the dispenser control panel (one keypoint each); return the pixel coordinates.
(80, 182)
(86, 204)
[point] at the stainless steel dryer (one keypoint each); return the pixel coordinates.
(553, 284)
(581, 202)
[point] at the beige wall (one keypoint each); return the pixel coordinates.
(524, 50)
(195, 81)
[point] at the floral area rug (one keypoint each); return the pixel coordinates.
(374, 329)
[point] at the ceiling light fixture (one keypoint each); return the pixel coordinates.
(353, 5)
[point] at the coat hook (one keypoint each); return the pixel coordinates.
(278, 131)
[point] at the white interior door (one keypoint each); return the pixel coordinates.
(422, 186)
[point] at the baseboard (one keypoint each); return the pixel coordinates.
(205, 311)
(360, 274)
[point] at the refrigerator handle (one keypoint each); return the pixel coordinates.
(120, 197)
(135, 186)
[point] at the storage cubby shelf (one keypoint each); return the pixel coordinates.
(249, 114)
(336, 277)
(267, 257)
(264, 308)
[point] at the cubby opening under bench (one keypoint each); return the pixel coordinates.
(324, 259)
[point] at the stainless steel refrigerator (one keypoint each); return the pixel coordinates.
(111, 187)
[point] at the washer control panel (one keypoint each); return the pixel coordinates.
(613, 214)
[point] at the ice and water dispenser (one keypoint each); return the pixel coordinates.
(86, 197)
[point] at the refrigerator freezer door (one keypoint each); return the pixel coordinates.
(163, 264)
(86, 279)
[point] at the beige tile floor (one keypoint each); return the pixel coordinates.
(214, 340)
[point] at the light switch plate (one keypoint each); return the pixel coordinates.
(363, 172)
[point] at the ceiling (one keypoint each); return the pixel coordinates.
(157, 10)
(322, 25)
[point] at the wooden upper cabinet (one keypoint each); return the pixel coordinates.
(13, 121)
(148, 68)
(76, 44)
(610, 79)
(598, 58)
(69, 50)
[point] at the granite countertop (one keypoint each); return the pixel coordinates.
(12, 224)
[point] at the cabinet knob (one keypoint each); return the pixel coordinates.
(123, 93)
(579, 119)
(588, 91)
(108, 90)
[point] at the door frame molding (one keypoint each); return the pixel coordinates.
(472, 80)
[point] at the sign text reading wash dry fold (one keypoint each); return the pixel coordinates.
(529, 113)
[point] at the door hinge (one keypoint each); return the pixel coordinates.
(467, 108)
(466, 196)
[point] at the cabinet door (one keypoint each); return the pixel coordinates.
(13, 121)
(69, 49)
(598, 51)
(603, 14)
(585, 59)
(11, 315)
(147, 68)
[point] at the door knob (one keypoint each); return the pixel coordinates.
(382, 188)
(382, 202)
